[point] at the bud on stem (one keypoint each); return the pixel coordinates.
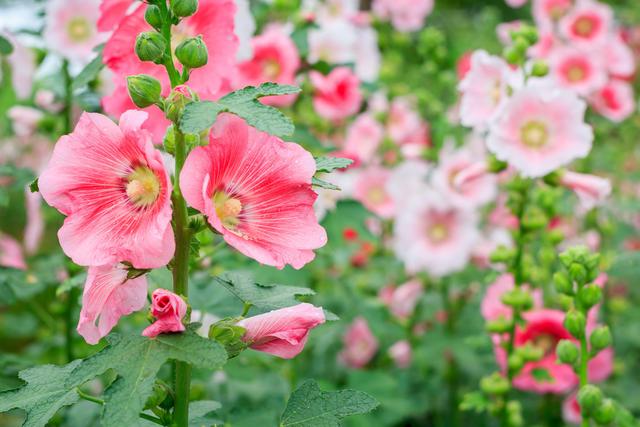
(144, 90)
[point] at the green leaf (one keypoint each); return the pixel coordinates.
(137, 360)
(329, 164)
(199, 116)
(88, 73)
(317, 182)
(626, 265)
(6, 48)
(475, 401)
(264, 297)
(34, 187)
(43, 395)
(309, 406)
(198, 413)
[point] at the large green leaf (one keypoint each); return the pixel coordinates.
(309, 406)
(43, 395)
(329, 164)
(199, 116)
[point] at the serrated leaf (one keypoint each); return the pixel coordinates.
(89, 73)
(137, 360)
(309, 406)
(43, 395)
(329, 164)
(264, 297)
(199, 116)
(317, 182)
(6, 48)
(198, 413)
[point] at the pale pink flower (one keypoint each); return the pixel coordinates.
(11, 253)
(168, 309)
(275, 59)
(591, 189)
(364, 137)
(108, 295)
(333, 42)
(35, 223)
(547, 12)
(370, 190)
(571, 409)
(245, 27)
(541, 129)
(337, 95)
(282, 332)
(360, 345)
(501, 215)
(578, 70)
(46, 99)
(484, 89)
(111, 184)
(401, 354)
(516, 3)
(23, 66)
(405, 15)
(619, 57)
(112, 12)
(24, 120)
(403, 299)
(336, 10)
(546, 44)
(434, 236)
(407, 129)
(214, 21)
(407, 180)
(587, 24)
(492, 307)
(71, 28)
(256, 190)
(615, 101)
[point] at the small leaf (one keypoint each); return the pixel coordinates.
(198, 410)
(309, 406)
(329, 164)
(6, 48)
(474, 401)
(33, 187)
(88, 73)
(199, 116)
(317, 182)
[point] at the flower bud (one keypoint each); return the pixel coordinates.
(494, 384)
(567, 352)
(502, 254)
(150, 46)
(530, 353)
(606, 412)
(494, 165)
(575, 323)
(512, 55)
(152, 16)
(192, 53)
(517, 298)
(563, 283)
(589, 295)
(180, 96)
(555, 236)
(158, 395)
(577, 272)
(540, 69)
(144, 90)
(514, 414)
(499, 326)
(589, 398)
(600, 339)
(534, 219)
(183, 8)
(521, 45)
(227, 333)
(515, 363)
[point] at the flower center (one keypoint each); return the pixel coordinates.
(576, 73)
(271, 69)
(228, 209)
(78, 29)
(496, 92)
(545, 342)
(376, 195)
(143, 186)
(534, 134)
(438, 232)
(584, 26)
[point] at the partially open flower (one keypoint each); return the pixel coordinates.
(337, 95)
(591, 189)
(588, 23)
(168, 309)
(360, 345)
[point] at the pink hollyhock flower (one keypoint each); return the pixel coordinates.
(333, 42)
(492, 307)
(548, 12)
(168, 309)
(282, 332)
(405, 15)
(245, 27)
(108, 295)
(111, 184)
(46, 99)
(578, 70)
(256, 190)
(434, 236)
(112, 12)
(214, 21)
(615, 100)
(370, 190)
(407, 179)
(619, 57)
(24, 120)
(71, 28)
(463, 65)
(541, 129)
(546, 44)
(11, 253)
(484, 89)
(23, 66)
(501, 215)
(591, 189)
(364, 137)
(571, 412)
(403, 299)
(406, 128)
(516, 3)
(337, 95)
(587, 24)
(360, 345)
(35, 223)
(275, 59)
(400, 352)
(601, 366)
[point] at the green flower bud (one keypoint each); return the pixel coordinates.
(192, 53)
(600, 339)
(606, 412)
(577, 272)
(589, 398)
(534, 219)
(152, 16)
(567, 352)
(502, 254)
(499, 326)
(512, 55)
(540, 69)
(575, 323)
(514, 414)
(150, 46)
(589, 295)
(552, 179)
(494, 384)
(176, 101)
(555, 236)
(144, 90)
(183, 8)
(227, 333)
(521, 45)
(530, 33)
(530, 353)
(517, 298)
(515, 363)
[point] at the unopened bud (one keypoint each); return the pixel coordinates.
(589, 398)
(575, 323)
(502, 254)
(606, 412)
(540, 69)
(499, 326)
(567, 352)
(192, 53)
(152, 16)
(515, 363)
(150, 46)
(494, 384)
(144, 90)
(589, 295)
(577, 272)
(600, 339)
(183, 8)
(517, 298)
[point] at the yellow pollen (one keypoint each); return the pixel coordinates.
(78, 29)
(496, 92)
(584, 26)
(534, 134)
(438, 233)
(575, 74)
(143, 187)
(376, 195)
(271, 68)
(544, 342)
(228, 209)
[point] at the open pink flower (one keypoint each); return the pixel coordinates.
(591, 189)
(370, 190)
(578, 70)
(282, 332)
(112, 12)
(11, 253)
(615, 101)
(587, 24)
(168, 309)
(403, 299)
(256, 190)
(484, 89)
(492, 307)
(541, 129)
(400, 352)
(548, 12)
(337, 95)
(24, 120)
(111, 184)
(360, 345)
(619, 57)
(108, 295)
(405, 15)
(364, 137)
(275, 59)
(516, 3)
(406, 128)
(214, 21)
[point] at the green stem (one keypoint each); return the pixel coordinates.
(68, 324)
(584, 379)
(68, 99)
(167, 61)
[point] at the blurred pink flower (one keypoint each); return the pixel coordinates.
(547, 12)
(516, 3)
(406, 128)
(405, 15)
(35, 223)
(504, 30)
(256, 190)
(11, 253)
(24, 120)
(619, 57)
(403, 299)
(364, 137)
(112, 12)
(492, 307)
(23, 66)
(111, 184)
(370, 190)
(337, 95)
(615, 101)
(571, 409)
(46, 99)
(541, 129)
(282, 332)
(587, 24)
(400, 352)
(108, 295)
(168, 309)
(578, 70)
(592, 190)
(360, 345)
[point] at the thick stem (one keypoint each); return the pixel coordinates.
(583, 372)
